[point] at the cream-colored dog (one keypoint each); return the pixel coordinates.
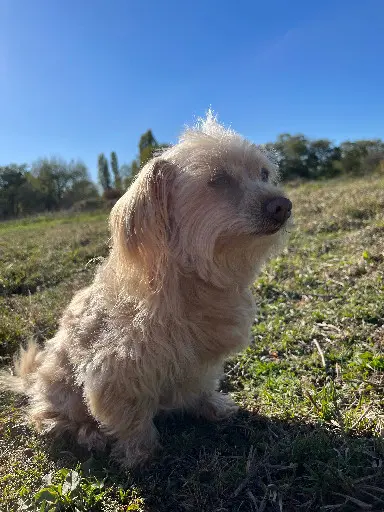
(169, 304)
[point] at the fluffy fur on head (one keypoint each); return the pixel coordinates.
(169, 304)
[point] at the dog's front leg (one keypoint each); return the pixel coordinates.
(214, 406)
(137, 440)
(125, 418)
(206, 402)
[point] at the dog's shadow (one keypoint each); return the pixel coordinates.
(249, 463)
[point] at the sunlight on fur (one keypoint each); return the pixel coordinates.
(169, 304)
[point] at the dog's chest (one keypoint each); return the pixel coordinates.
(221, 327)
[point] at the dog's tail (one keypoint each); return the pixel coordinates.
(26, 363)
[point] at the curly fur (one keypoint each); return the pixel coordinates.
(169, 304)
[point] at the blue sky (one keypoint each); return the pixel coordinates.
(80, 77)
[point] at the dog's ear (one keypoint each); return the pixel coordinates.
(140, 221)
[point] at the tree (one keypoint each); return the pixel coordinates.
(361, 156)
(292, 155)
(322, 159)
(147, 140)
(147, 146)
(51, 179)
(81, 190)
(56, 180)
(32, 198)
(115, 171)
(12, 177)
(103, 172)
(78, 171)
(49, 184)
(299, 157)
(373, 161)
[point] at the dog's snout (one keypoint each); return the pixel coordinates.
(279, 209)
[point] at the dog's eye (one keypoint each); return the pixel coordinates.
(220, 179)
(264, 173)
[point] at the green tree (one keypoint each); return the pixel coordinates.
(361, 156)
(103, 172)
(147, 140)
(50, 184)
(32, 198)
(299, 157)
(51, 180)
(56, 180)
(115, 171)
(12, 177)
(292, 155)
(373, 161)
(81, 190)
(322, 159)
(148, 146)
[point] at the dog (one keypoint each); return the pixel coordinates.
(169, 304)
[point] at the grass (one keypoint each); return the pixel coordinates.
(310, 435)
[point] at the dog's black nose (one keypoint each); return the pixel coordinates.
(278, 209)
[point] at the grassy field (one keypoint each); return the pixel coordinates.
(310, 435)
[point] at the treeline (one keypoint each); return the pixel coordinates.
(53, 184)
(302, 158)
(47, 185)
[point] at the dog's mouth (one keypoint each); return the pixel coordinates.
(271, 229)
(274, 230)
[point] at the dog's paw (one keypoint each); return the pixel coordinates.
(92, 438)
(134, 453)
(216, 406)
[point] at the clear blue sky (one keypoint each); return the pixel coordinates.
(80, 77)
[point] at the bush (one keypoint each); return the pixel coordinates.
(86, 205)
(112, 194)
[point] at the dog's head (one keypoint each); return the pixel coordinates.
(209, 204)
